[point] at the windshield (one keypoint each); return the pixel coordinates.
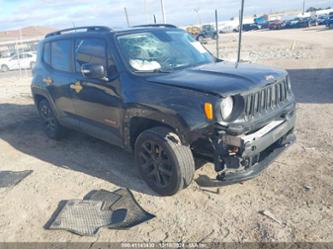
(162, 51)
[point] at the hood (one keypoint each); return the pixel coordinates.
(222, 78)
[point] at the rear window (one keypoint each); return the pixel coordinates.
(61, 55)
(47, 53)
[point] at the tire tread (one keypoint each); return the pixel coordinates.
(183, 154)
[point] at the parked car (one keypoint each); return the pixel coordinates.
(329, 21)
(23, 60)
(158, 93)
(275, 24)
(250, 27)
(312, 21)
(261, 22)
(207, 31)
(296, 23)
(193, 30)
(322, 19)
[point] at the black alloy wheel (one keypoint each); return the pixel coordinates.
(164, 162)
(156, 163)
(51, 125)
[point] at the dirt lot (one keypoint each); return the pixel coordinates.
(297, 188)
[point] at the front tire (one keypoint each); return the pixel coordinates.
(164, 162)
(52, 127)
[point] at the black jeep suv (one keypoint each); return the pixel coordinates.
(155, 91)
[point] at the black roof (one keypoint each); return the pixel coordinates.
(105, 29)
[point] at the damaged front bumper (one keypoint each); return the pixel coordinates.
(240, 158)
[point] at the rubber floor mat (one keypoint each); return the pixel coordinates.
(107, 197)
(83, 217)
(11, 178)
(99, 208)
(135, 213)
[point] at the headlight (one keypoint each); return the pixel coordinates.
(227, 105)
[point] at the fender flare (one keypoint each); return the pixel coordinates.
(168, 118)
(43, 93)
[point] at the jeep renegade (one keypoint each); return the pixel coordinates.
(157, 92)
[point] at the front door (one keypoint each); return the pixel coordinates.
(97, 102)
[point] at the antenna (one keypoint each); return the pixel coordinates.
(240, 30)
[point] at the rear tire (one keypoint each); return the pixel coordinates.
(4, 68)
(164, 162)
(200, 38)
(52, 127)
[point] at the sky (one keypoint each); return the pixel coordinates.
(66, 13)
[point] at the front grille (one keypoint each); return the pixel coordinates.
(266, 99)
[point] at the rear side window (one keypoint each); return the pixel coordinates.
(47, 53)
(61, 55)
(90, 50)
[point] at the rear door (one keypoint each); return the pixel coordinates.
(58, 75)
(97, 101)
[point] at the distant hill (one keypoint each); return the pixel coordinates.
(27, 32)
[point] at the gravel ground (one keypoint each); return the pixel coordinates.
(297, 188)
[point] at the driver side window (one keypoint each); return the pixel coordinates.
(90, 50)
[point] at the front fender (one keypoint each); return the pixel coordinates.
(179, 108)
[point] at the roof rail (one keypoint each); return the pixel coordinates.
(156, 25)
(86, 28)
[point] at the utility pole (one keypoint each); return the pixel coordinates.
(19, 53)
(126, 15)
(303, 7)
(241, 16)
(162, 10)
(145, 10)
(217, 35)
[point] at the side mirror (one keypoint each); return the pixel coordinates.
(93, 71)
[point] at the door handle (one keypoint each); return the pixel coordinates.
(47, 80)
(76, 87)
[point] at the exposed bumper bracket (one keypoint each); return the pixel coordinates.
(253, 171)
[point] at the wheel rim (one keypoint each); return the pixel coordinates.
(48, 118)
(155, 163)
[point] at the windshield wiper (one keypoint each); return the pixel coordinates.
(153, 71)
(188, 66)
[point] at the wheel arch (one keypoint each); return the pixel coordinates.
(38, 98)
(4, 65)
(134, 125)
(39, 94)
